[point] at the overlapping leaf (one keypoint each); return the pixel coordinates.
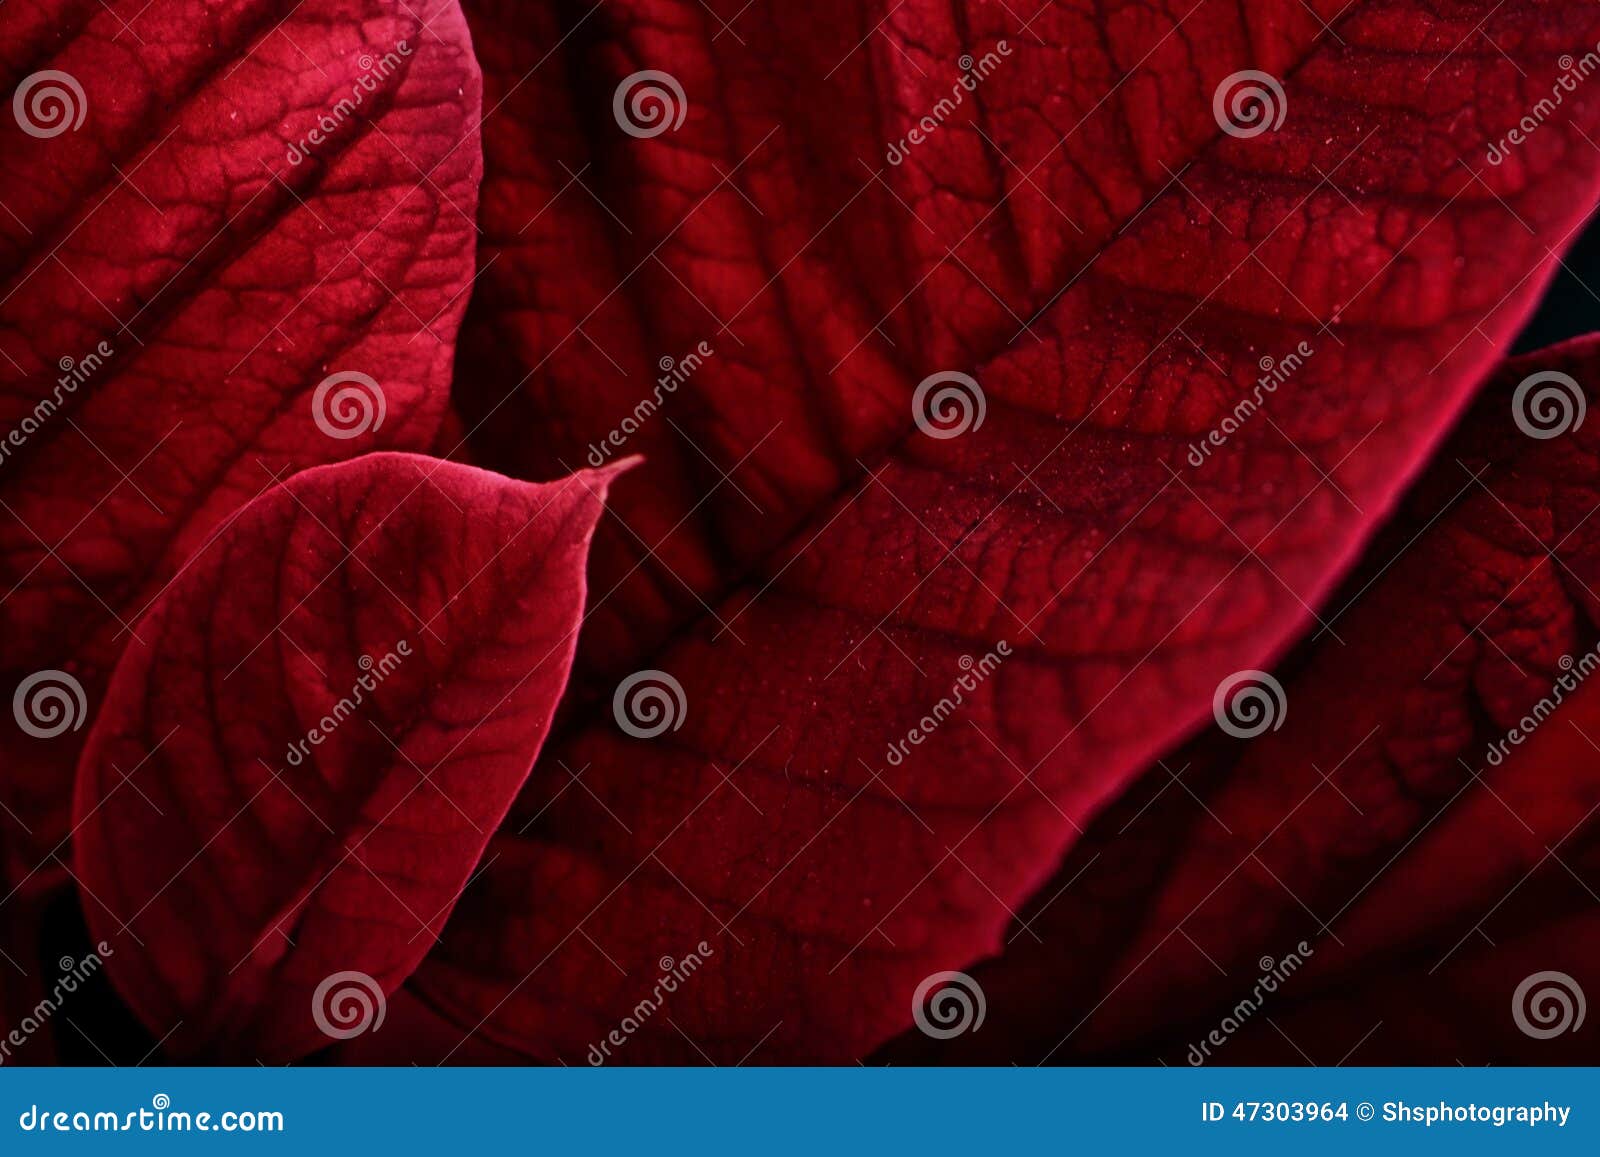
(209, 210)
(1117, 273)
(294, 780)
(1423, 819)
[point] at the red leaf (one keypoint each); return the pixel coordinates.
(1404, 817)
(1079, 237)
(1465, 835)
(1461, 952)
(337, 704)
(176, 288)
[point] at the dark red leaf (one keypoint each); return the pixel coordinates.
(1403, 821)
(175, 287)
(810, 567)
(338, 702)
(1465, 950)
(1470, 838)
